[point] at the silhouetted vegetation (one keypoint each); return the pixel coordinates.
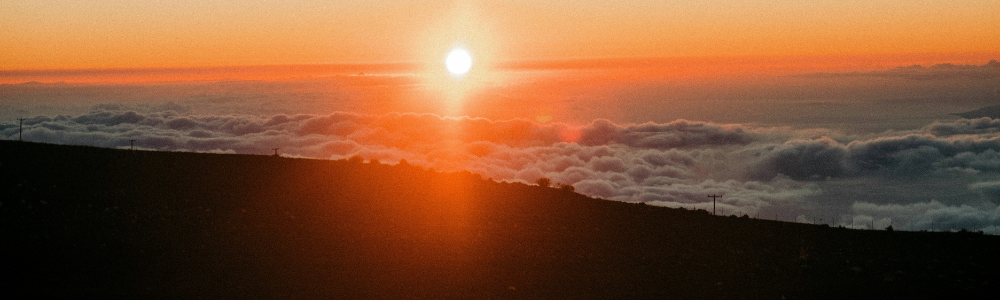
(567, 187)
(84, 222)
(543, 182)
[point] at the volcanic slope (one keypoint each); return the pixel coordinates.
(85, 222)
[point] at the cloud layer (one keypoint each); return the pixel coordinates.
(770, 171)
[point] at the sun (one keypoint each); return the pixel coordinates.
(458, 62)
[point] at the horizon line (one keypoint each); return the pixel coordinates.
(631, 67)
(568, 62)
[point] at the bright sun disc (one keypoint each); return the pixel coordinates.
(458, 61)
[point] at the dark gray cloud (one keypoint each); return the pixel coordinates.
(906, 155)
(990, 190)
(676, 134)
(964, 126)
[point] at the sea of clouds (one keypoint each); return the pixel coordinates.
(766, 172)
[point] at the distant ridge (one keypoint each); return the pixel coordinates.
(87, 222)
(940, 71)
(985, 112)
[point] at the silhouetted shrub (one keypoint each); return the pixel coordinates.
(403, 163)
(888, 228)
(356, 159)
(567, 187)
(374, 162)
(543, 182)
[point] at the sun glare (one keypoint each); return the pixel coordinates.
(465, 43)
(458, 62)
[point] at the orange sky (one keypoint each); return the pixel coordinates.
(57, 34)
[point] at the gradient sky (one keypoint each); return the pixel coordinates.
(55, 34)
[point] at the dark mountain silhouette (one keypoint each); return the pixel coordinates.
(84, 222)
(992, 112)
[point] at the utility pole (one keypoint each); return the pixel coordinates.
(713, 196)
(275, 151)
(20, 126)
(131, 144)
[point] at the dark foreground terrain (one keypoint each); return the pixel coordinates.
(83, 222)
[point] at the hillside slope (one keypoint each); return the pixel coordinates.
(92, 222)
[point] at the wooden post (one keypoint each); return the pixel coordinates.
(20, 126)
(713, 196)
